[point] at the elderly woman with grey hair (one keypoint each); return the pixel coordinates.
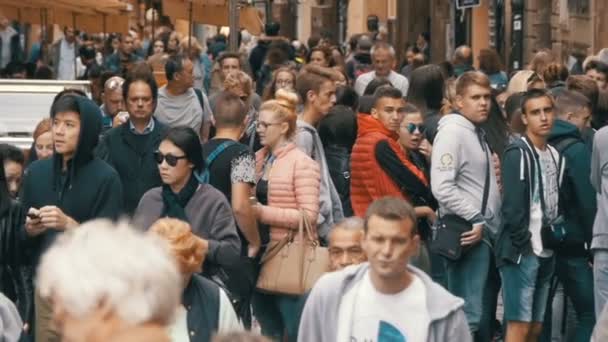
(110, 283)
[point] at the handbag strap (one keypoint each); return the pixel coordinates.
(303, 227)
(486, 187)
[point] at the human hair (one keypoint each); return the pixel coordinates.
(376, 83)
(113, 83)
(226, 55)
(327, 54)
(393, 209)
(471, 78)
(111, 263)
(174, 65)
(463, 55)
(238, 79)
(157, 39)
(540, 61)
(5, 197)
(339, 127)
(513, 105)
(272, 29)
(411, 108)
(554, 73)
(585, 86)
(66, 103)
(186, 139)
(383, 46)
(230, 110)
(427, 86)
(519, 81)
(140, 77)
(311, 78)
(489, 61)
(195, 46)
(447, 69)
(569, 101)
(12, 153)
(599, 116)
(598, 66)
(449, 97)
(496, 128)
(352, 223)
(272, 87)
(68, 91)
(386, 92)
(186, 247)
(533, 94)
(43, 72)
(284, 109)
(42, 127)
(279, 53)
(347, 96)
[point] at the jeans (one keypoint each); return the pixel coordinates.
(576, 277)
(600, 277)
(278, 314)
(489, 326)
(466, 278)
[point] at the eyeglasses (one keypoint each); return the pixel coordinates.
(171, 159)
(411, 128)
(265, 125)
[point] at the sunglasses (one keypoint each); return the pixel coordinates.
(171, 159)
(411, 127)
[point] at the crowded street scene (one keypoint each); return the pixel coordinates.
(303, 171)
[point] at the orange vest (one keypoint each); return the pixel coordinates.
(368, 181)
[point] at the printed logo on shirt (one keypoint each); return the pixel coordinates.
(447, 162)
(386, 333)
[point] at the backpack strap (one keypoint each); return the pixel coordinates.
(211, 158)
(562, 145)
(201, 101)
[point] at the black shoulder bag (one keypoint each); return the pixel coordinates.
(449, 228)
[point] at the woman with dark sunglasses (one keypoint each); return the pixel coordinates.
(180, 160)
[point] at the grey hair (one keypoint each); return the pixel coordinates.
(384, 46)
(114, 83)
(351, 223)
(134, 273)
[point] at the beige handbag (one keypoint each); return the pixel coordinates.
(293, 265)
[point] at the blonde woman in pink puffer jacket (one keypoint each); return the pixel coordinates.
(288, 181)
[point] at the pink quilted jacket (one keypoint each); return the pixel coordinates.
(293, 184)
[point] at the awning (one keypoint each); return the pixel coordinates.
(213, 12)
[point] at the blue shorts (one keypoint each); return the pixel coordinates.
(525, 288)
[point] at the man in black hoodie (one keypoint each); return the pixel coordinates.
(68, 189)
(362, 59)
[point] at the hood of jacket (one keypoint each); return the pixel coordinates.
(455, 119)
(90, 128)
(563, 129)
(367, 124)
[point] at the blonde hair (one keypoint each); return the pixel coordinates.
(104, 262)
(519, 81)
(194, 45)
(185, 246)
(284, 109)
(238, 79)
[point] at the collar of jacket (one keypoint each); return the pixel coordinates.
(368, 124)
(281, 150)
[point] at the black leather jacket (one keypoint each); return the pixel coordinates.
(16, 271)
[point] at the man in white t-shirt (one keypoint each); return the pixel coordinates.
(383, 58)
(532, 172)
(385, 299)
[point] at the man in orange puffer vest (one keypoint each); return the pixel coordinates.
(379, 167)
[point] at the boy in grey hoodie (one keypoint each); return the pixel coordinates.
(385, 298)
(599, 243)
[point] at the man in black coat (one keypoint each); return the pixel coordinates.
(130, 147)
(68, 189)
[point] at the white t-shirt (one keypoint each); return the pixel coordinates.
(379, 317)
(549, 174)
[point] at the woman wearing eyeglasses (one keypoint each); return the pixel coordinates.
(288, 181)
(181, 196)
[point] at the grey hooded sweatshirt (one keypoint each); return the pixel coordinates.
(320, 318)
(458, 173)
(599, 180)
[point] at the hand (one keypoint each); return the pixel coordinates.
(429, 214)
(426, 149)
(473, 236)
(53, 217)
(205, 248)
(26, 327)
(33, 226)
(252, 251)
(120, 119)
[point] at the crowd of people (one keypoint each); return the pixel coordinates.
(305, 192)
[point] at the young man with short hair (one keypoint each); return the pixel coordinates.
(579, 207)
(318, 93)
(72, 187)
(598, 71)
(345, 242)
(129, 148)
(385, 299)
(465, 185)
(121, 61)
(531, 172)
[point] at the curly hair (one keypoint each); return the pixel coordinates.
(185, 246)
